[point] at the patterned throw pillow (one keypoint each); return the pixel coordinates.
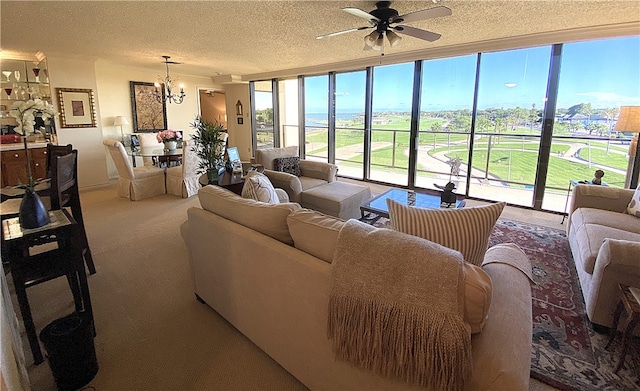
(634, 206)
(287, 164)
(258, 187)
(466, 229)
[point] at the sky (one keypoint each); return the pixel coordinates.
(605, 73)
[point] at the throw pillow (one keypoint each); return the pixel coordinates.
(258, 187)
(314, 233)
(466, 229)
(290, 165)
(477, 296)
(634, 206)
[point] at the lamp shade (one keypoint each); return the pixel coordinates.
(120, 121)
(629, 119)
(394, 39)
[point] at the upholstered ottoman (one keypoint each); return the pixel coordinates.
(339, 199)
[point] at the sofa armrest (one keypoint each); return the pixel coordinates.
(287, 182)
(319, 170)
(599, 197)
(617, 263)
(283, 197)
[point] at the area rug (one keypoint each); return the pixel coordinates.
(566, 352)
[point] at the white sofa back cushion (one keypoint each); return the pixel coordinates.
(314, 233)
(268, 219)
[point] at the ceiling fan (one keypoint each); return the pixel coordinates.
(384, 21)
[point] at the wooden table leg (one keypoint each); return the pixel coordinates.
(628, 325)
(616, 320)
(27, 319)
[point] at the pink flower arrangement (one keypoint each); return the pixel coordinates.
(169, 135)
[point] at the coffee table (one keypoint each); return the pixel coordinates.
(378, 205)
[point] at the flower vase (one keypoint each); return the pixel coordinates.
(212, 176)
(170, 145)
(33, 214)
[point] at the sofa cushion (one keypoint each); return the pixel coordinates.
(607, 218)
(265, 156)
(314, 233)
(587, 240)
(477, 296)
(289, 164)
(634, 205)
(309, 182)
(258, 187)
(268, 219)
(466, 229)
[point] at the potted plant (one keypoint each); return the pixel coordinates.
(209, 147)
(32, 213)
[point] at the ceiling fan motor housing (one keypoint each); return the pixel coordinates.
(385, 14)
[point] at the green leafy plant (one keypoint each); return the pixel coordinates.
(208, 145)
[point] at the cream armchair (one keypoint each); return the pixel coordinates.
(135, 183)
(605, 243)
(313, 173)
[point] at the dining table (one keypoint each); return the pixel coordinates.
(157, 153)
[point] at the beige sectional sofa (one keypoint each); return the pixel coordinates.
(268, 274)
(605, 242)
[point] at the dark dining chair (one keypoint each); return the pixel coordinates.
(56, 150)
(64, 193)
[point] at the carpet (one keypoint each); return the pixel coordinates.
(566, 353)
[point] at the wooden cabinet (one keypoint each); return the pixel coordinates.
(14, 169)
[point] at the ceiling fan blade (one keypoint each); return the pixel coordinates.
(342, 32)
(360, 13)
(422, 15)
(417, 33)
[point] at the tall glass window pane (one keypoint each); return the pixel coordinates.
(316, 113)
(391, 123)
(288, 110)
(350, 98)
(445, 121)
(263, 119)
(596, 78)
(511, 94)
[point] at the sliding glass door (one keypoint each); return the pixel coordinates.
(350, 108)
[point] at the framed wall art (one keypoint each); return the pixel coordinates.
(149, 115)
(77, 108)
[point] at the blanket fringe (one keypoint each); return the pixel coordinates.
(418, 345)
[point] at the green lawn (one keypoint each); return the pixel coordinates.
(600, 157)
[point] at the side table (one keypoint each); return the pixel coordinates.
(228, 180)
(28, 270)
(630, 305)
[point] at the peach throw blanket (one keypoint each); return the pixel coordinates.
(396, 307)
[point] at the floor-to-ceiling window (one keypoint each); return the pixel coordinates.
(511, 92)
(316, 117)
(289, 113)
(596, 78)
(391, 123)
(445, 121)
(488, 140)
(350, 107)
(263, 117)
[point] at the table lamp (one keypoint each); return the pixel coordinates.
(629, 121)
(121, 121)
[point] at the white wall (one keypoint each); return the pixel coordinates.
(239, 135)
(80, 73)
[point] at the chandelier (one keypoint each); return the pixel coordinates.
(164, 95)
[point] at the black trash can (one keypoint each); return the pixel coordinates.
(70, 350)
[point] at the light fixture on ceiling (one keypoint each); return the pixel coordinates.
(164, 95)
(375, 40)
(394, 39)
(629, 121)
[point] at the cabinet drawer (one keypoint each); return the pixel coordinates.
(18, 154)
(38, 153)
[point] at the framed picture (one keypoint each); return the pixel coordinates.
(149, 115)
(240, 121)
(77, 108)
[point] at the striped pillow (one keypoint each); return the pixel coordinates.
(257, 186)
(466, 229)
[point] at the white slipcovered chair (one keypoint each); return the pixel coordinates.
(135, 183)
(148, 140)
(183, 180)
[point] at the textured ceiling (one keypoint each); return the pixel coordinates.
(245, 38)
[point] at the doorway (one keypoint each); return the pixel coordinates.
(213, 106)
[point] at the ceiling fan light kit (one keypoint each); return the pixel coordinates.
(383, 20)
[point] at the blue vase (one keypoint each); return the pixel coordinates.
(33, 213)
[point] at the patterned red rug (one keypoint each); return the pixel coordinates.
(566, 353)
